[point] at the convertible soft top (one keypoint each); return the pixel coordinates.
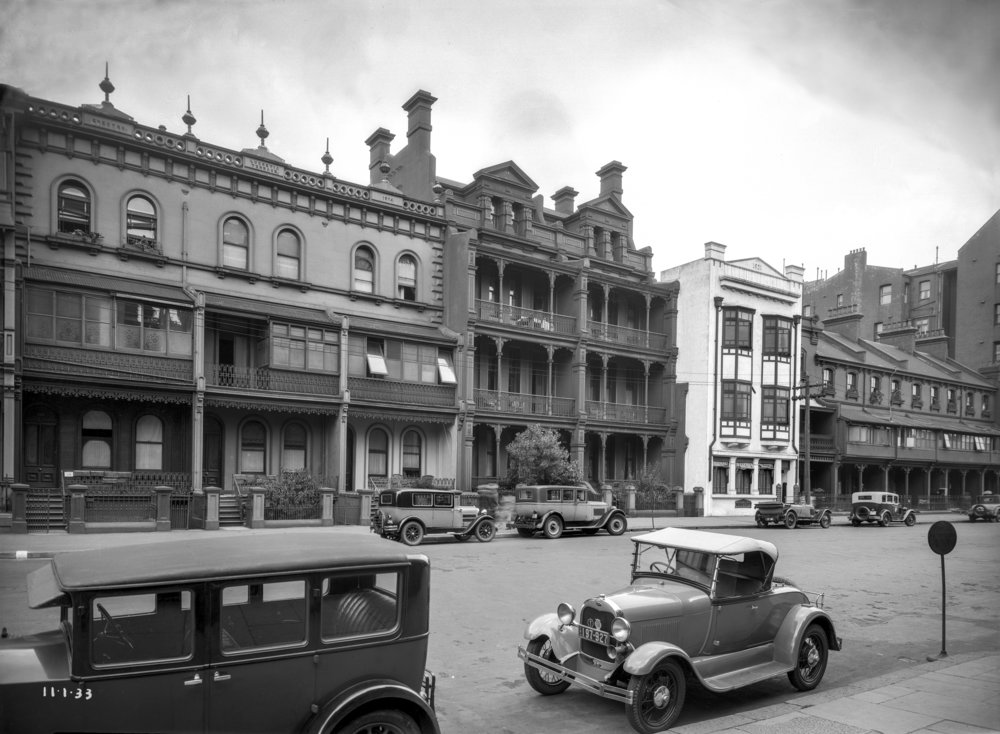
(707, 542)
(223, 556)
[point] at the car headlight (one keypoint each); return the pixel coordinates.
(621, 629)
(566, 613)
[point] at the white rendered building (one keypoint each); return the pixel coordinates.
(738, 345)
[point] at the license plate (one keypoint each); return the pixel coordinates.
(599, 637)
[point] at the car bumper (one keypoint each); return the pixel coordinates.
(569, 673)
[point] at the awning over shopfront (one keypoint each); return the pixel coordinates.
(108, 283)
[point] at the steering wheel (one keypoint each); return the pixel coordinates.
(660, 567)
(112, 630)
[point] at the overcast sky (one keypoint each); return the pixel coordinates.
(793, 130)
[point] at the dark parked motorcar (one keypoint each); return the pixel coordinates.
(986, 507)
(318, 633)
(553, 509)
(880, 507)
(791, 515)
(698, 605)
(411, 513)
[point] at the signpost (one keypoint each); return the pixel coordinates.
(941, 538)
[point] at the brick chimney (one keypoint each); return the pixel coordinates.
(378, 143)
(611, 178)
(847, 323)
(564, 199)
(902, 336)
(794, 272)
(418, 132)
(715, 251)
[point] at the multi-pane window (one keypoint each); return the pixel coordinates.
(253, 448)
(827, 378)
(777, 336)
(916, 393)
(305, 348)
(378, 453)
(73, 214)
(364, 270)
(840, 300)
(774, 405)
(288, 255)
(293, 447)
(923, 325)
(720, 478)
(140, 221)
(924, 291)
(737, 329)
(235, 244)
(412, 451)
(996, 314)
(735, 400)
(852, 382)
(406, 278)
(934, 394)
(152, 328)
(149, 443)
(95, 440)
(872, 435)
(885, 295)
(807, 311)
(402, 360)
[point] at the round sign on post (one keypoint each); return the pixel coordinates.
(942, 538)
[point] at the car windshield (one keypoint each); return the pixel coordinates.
(681, 563)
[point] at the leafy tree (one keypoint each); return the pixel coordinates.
(537, 457)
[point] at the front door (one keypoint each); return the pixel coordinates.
(212, 469)
(41, 448)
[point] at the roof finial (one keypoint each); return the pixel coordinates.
(262, 132)
(106, 86)
(327, 158)
(189, 119)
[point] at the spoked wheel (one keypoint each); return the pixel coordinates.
(884, 519)
(910, 520)
(485, 531)
(411, 533)
(553, 527)
(791, 520)
(548, 684)
(657, 698)
(811, 662)
(382, 722)
(759, 519)
(824, 522)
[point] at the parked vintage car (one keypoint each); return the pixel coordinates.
(699, 604)
(791, 515)
(880, 507)
(553, 509)
(313, 632)
(986, 507)
(410, 513)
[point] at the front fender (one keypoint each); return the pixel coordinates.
(648, 656)
(786, 642)
(383, 693)
(609, 514)
(565, 641)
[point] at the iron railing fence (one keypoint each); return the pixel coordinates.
(119, 506)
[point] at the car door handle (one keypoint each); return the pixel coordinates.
(196, 681)
(753, 607)
(221, 676)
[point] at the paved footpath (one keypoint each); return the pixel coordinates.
(954, 695)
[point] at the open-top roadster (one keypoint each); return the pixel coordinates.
(698, 604)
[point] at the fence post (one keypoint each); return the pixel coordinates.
(329, 498)
(365, 511)
(630, 501)
(256, 519)
(211, 518)
(77, 508)
(19, 508)
(162, 495)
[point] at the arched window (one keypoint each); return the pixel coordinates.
(364, 270)
(289, 255)
(378, 454)
(293, 449)
(253, 444)
(95, 438)
(149, 443)
(140, 221)
(406, 278)
(74, 208)
(235, 244)
(412, 446)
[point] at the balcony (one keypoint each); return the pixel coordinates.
(626, 336)
(528, 319)
(620, 412)
(524, 403)
(106, 364)
(401, 393)
(271, 380)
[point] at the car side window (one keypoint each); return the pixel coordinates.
(553, 495)
(443, 500)
(129, 629)
(359, 605)
(741, 575)
(568, 495)
(422, 499)
(524, 494)
(262, 615)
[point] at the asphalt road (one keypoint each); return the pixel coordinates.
(882, 587)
